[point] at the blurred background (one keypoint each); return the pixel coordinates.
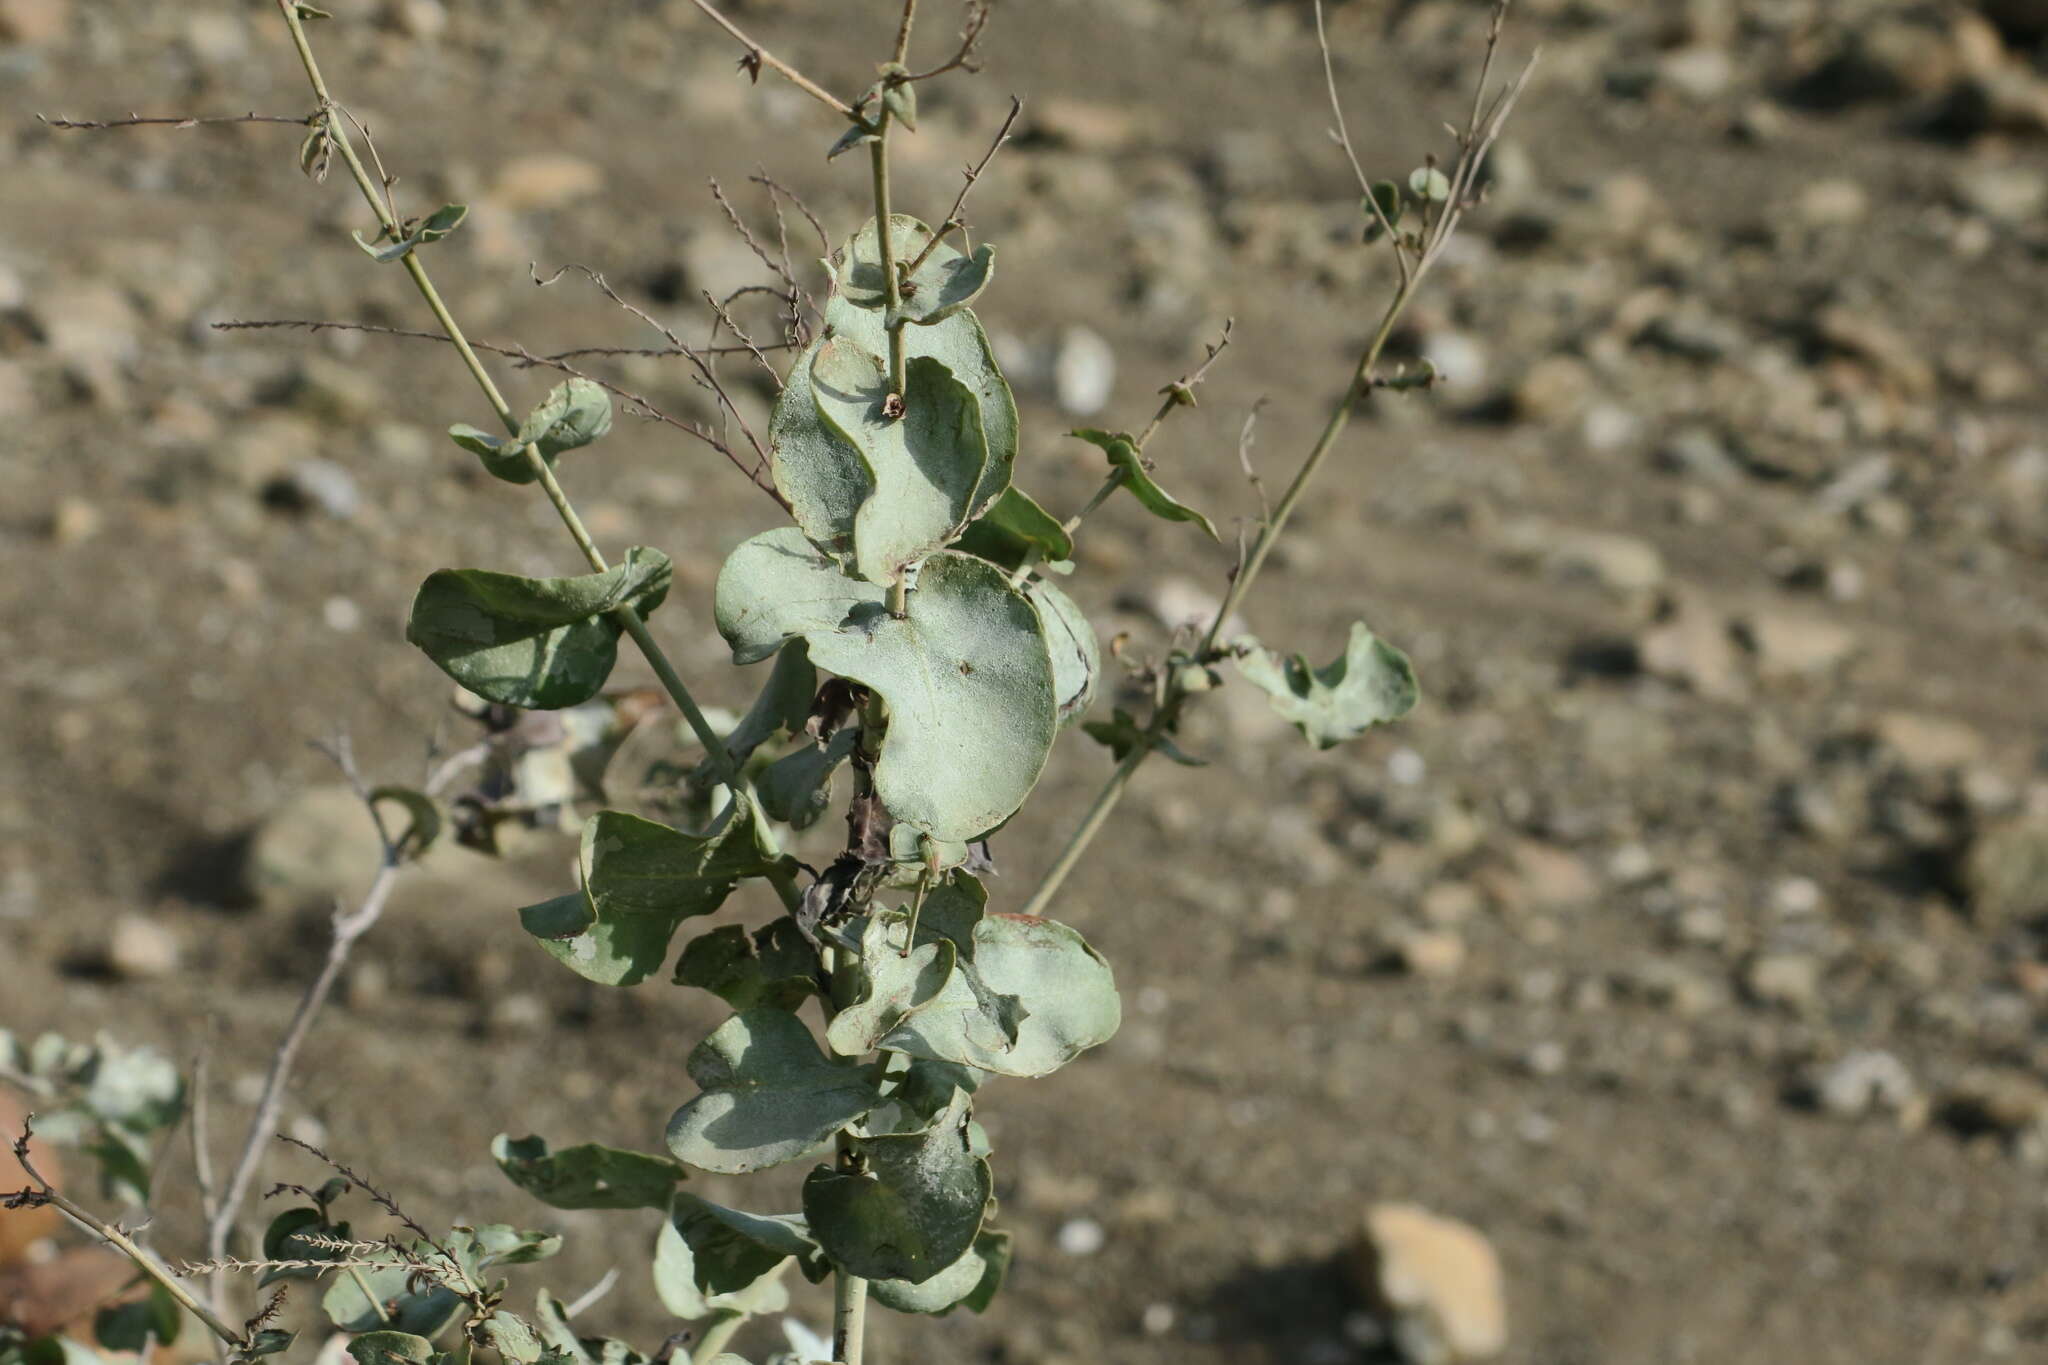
(1690, 942)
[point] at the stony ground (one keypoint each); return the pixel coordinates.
(1691, 942)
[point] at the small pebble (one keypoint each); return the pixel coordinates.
(1080, 1237)
(140, 949)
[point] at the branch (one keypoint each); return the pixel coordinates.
(966, 59)
(758, 57)
(44, 1193)
(953, 221)
(172, 121)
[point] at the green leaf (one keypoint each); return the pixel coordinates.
(494, 1244)
(391, 1348)
(925, 463)
(425, 812)
(1371, 684)
(970, 1282)
(412, 1302)
(152, 1319)
(587, 1176)
(1427, 182)
(709, 1260)
(824, 478)
(511, 1337)
(575, 413)
(1070, 639)
(797, 788)
(1026, 996)
(1387, 195)
(432, 228)
(551, 1324)
(774, 968)
(946, 282)
(539, 643)
(966, 670)
(1122, 733)
(769, 1095)
(783, 706)
(641, 880)
(1137, 476)
(911, 1212)
(859, 135)
(268, 1341)
(900, 99)
(891, 983)
(1014, 528)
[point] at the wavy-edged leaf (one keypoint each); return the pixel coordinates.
(782, 707)
(1370, 684)
(538, 643)
(797, 788)
(926, 463)
(432, 228)
(1070, 639)
(911, 1212)
(1125, 457)
(587, 1176)
(773, 968)
(642, 879)
(769, 1095)
(391, 1348)
(1026, 996)
(970, 1282)
(704, 1267)
(943, 284)
(892, 983)
(965, 671)
(575, 413)
(1015, 528)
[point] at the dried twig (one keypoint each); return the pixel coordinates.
(171, 121)
(966, 59)
(1244, 460)
(953, 221)
(758, 57)
(42, 1192)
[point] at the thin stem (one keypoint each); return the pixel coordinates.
(718, 1336)
(758, 57)
(45, 1193)
(885, 243)
(1101, 495)
(627, 617)
(1167, 715)
(953, 221)
(270, 1102)
(849, 1317)
(903, 29)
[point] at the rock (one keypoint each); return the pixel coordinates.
(416, 18)
(1554, 390)
(2005, 872)
(1691, 645)
(17, 391)
(2006, 1103)
(1928, 744)
(1832, 203)
(31, 22)
(92, 329)
(1884, 59)
(315, 484)
(1434, 954)
(141, 949)
(1789, 645)
(75, 521)
(2010, 99)
(1449, 903)
(1082, 125)
(1080, 1237)
(546, 180)
(1616, 561)
(1788, 980)
(1701, 72)
(1863, 1082)
(217, 39)
(1084, 372)
(1437, 1283)
(1878, 343)
(1181, 603)
(2004, 194)
(21, 1228)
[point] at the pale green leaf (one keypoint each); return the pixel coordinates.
(970, 1282)
(391, 1348)
(399, 1298)
(797, 788)
(914, 1209)
(587, 1176)
(1070, 639)
(769, 1095)
(539, 643)
(944, 283)
(1371, 684)
(1016, 527)
(642, 879)
(926, 464)
(773, 967)
(966, 670)
(1125, 457)
(892, 981)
